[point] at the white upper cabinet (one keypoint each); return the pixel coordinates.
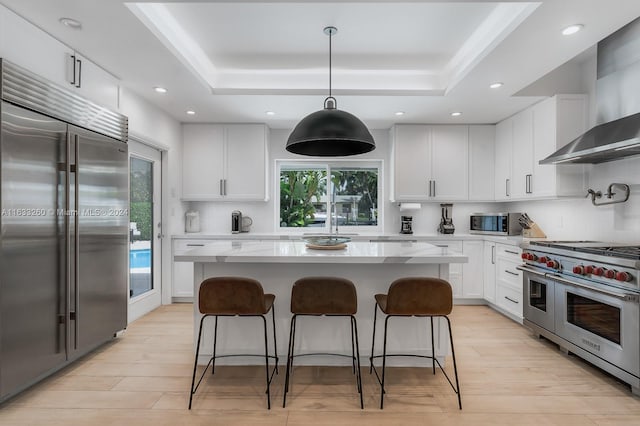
(31, 48)
(429, 162)
(224, 162)
(530, 136)
(449, 162)
(481, 162)
(411, 153)
(522, 154)
(503, 148)
(556, 122)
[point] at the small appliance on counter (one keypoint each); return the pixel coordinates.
(406, 224)
(240, 223)
(446, 222)
(406, 221)
(192, 221)
(495, 224)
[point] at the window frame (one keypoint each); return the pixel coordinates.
(329, 164)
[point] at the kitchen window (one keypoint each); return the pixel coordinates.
(315, 195)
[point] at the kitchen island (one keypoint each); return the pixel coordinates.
(278, 264)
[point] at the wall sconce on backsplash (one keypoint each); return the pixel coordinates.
(609, 194)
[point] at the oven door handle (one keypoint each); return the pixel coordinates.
(635, 298)
(531, 271)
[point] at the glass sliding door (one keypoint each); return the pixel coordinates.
(145, 229)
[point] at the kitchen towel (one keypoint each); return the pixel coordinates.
(409, 206)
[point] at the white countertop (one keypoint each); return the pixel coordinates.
(514, 240)
(284, 251)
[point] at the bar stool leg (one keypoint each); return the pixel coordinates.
(354, 329)
(195, 363)
(433, 349)
(275, 343)
(215, 342)
(384, 360)
(373, 339)
(353, 351)
(266, 361)
(455, 367)
(292, 328)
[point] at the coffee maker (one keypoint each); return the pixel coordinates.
(446, 221)
(406, 224)
(236, 222)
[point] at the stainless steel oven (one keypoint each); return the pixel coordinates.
(585, 296)
(539, 295)
(601, 321)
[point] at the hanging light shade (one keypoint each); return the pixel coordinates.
(330, 132)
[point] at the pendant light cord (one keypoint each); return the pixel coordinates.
(330, 37)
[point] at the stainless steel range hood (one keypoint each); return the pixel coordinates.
(618, 104)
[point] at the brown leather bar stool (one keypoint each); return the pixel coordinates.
(229, 297)
(420, 297)
(324, 296)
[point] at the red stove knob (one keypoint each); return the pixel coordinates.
(543, 259)
(553, 264)
(598, 271)
(610, 273)
(579, 270)
(533, 257)
(623, 276)
(525, 256)
(589, 269)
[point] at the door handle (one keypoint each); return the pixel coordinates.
(493, 255)
(506, 187)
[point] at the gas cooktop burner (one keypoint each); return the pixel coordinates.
(595, 247)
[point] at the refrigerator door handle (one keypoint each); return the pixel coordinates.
(76, 230)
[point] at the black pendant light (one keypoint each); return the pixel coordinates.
(330, 132)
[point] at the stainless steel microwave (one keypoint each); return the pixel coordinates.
(495, 224)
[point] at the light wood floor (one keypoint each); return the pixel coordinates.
(508, 377)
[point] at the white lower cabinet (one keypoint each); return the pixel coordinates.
(465, 278)
(489, 271)
(472, 276)
(182, 272)
(509, 281)
(455, 269)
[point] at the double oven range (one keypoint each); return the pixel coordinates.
(585, 296)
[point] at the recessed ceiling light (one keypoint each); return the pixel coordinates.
(270, 112)
(71, 23)
(572, 29)
(456, 114)
(496, 85)
(160, 89)
(400, 113)
(191, 112)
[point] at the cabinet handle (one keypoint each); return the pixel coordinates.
(512, 273)
(506, 187)
(512, 252)
(221, 187)
(225, 186)
(511, 300)
(429, 188)
(493, 255)
(528, 189)
(73, 67)
(434, 188)
(195, 245)
(79, 83)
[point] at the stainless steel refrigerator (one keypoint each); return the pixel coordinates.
(63, 229)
